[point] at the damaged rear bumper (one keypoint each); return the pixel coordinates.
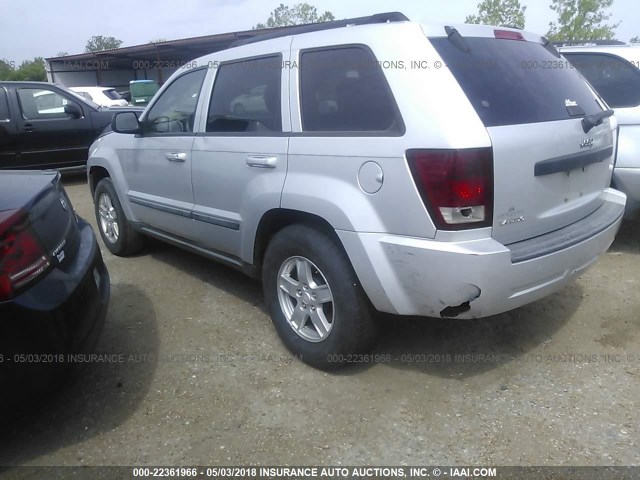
(467, 279)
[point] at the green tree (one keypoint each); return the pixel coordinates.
(31, 70)
(581, 20)
(62, 54)
(98, 43)
(635, 39)
(505, 13)
(299, 14)
(7, 70)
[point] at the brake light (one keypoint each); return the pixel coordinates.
(508, 35)
(22, 258)
(456, 186)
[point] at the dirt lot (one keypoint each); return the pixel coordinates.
(206, 381)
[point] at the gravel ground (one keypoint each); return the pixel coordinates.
(205, 380)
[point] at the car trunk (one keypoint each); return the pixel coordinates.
(548, 172)
(49, 211)
(543, 178)
(55, 224)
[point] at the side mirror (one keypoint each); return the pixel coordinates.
(73, 110)
(125, 122)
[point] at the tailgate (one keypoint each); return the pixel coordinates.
(547, 176)
(549, 169)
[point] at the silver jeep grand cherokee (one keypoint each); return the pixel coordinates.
(370, 164)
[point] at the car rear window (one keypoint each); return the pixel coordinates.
(513, 82)
(112, 94)
(344, 90)
(4, 106)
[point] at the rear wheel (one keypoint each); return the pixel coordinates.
(116, 231)
(314, 298)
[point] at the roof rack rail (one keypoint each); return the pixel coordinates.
(572, 43)
(318, 27)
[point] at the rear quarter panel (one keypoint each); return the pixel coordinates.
(323, 167)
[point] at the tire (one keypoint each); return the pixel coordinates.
(116, 231)
(308, 262)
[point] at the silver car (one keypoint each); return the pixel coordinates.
(396, 167)
(614, 72)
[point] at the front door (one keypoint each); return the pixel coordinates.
(158, 168)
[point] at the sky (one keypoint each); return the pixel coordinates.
(35, 28)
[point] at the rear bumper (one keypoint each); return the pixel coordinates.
(412, 276)
(62, 314)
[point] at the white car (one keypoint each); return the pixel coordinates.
(103, 96)
(614, 72)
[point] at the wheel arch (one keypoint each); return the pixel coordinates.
(275, 220)
(96, 173)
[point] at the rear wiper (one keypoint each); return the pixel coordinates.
(594, 120)
(458, 40)
(550, 47)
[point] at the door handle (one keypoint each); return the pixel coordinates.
(262, 161)
(175, 157)
(29, 128)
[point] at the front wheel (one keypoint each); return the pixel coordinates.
(314, 298)
(117, 233)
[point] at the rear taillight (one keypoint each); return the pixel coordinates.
(456, 186)
(22, 258)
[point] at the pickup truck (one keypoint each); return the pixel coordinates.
(43, 125)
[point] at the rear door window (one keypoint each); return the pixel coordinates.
(513, 82)
(344, 90)
(615, 79)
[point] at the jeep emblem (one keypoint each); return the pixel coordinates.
(586, 143)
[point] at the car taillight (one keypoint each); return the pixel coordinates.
(22, 258)
(456, 186)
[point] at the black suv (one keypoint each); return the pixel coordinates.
(47, 126)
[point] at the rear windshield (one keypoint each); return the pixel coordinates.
(145, 89)
(112, 94)
(513, 82)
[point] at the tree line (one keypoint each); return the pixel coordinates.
(576, 20)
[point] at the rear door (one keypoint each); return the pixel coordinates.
(47, 136)
(548, 172)
(240, 159)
